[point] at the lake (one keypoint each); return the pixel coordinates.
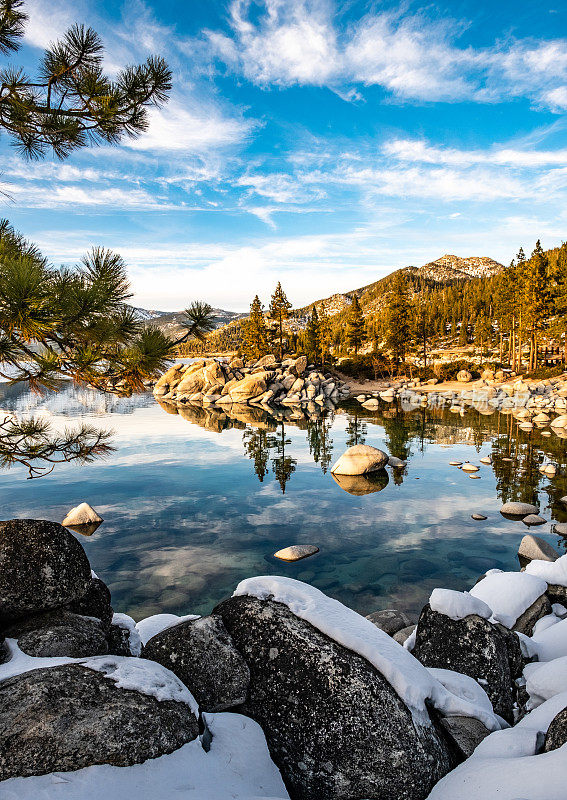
(194, 502)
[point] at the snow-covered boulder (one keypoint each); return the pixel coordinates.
(458, 605)
(555, 574)
(509, 594)
(42, 566)
(360, 459)
(202, 655)
(104, 710)
(123, 636)
(545, 680)
(156, 623)
(336, 696)
(472, 646)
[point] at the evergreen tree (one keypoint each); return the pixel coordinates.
(398, 318)
(560, 293)
(71, 103)
(537, 298)
(355, 333)
(482, 332)
(254, 332)
(325, 335)
(279, 311)
(283, 466)
(313, 337)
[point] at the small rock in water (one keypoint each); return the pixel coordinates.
(397, 463)
(486, 460)
(470, 467)
(83, 514)
(534, 519)
(455, 463)
(561, 528)
(296, 552)
(478, 516)
(474, 477)
(535, 548)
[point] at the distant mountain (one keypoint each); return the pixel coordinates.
(449, 268)
(170, 321)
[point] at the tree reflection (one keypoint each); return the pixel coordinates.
(283, 466)
(320, 442)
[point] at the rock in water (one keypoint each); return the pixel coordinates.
(390, 620)
(470, 467)
(334, 726)
(479, 517)
(518, 510)
(360, 459)
(533, 519)
(296, 552)
(42, 566)
(534, 547)
(83, 514)
(560, 528)
(68, 717)
(202, 655)
(472, 646)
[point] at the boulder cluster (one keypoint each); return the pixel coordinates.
(541, 404)
(265, 383)
(347, 711)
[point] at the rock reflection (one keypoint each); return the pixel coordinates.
(359, 485)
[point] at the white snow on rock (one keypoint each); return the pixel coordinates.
(544, 623)
(509, 594)
(151, 626)
(463, 686)
(142, 675)
(550, 571)
(552, 642)
(458, 605)
(504, 765)
(409, 679)
(237, 766)
(20, 662)
(545, 680)
(128, 624)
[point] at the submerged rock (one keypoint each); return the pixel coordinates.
(202, 655)
(296, 552)
(359, 460)
(64, 718)
(42, 566)
(334, 725)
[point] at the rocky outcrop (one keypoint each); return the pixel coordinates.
(202, 655)
(67, 717)
(267, 382)
(60, 633)
(360, 460)
(95, 602)
(557, 732)
(42, 566)
(472, 646)
(334, 725)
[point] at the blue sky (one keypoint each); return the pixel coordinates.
(319, 143)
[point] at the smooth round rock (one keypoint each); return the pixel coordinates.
(478, 516)
(561, 528)
(533, 519)
(486, 460)
(42, 566)
(470, 468)
(535, 548)
(455, 463)
(359, 460)
(296, 552)
(514, 509)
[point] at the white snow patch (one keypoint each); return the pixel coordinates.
(128, 624)
(412, 682)
(151, 626)
(509, 594)
(237, 766)
(504, 765)
(20, 662)
(144, 676)
(552, 642)
(463, 686)
(545, 680)
(550, 571)
(458, 605)
(544, 623)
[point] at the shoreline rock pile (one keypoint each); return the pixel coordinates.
(279, 687)
(539, 404)
(266, 383)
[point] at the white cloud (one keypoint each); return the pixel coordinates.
(48, 21)
(417, 150)
(76, 197)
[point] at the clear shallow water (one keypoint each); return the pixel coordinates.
(194, 503)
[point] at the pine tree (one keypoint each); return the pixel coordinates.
(279, 311)
(283, 466)
(313, 336)
(71, 103)
(325, 334)
(355, 333)
(254, 332)
(398, 319)
(559, 276)
(537, 298)
(482, 332)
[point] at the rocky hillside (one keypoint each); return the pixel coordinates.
(449, 268)
(170, 321)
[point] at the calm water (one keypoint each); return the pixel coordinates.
(194, 502)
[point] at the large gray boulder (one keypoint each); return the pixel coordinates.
(69, 717)
(94, 603)
(60, 633)
(335, 727)
(526, 622)
(42, 566)
(473, 646)
(202, 655)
